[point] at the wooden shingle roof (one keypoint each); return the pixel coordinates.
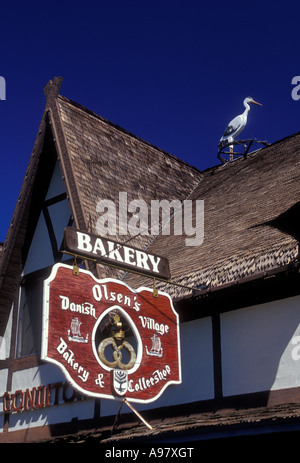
(252, 209)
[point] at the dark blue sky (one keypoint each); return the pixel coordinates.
(172, 72)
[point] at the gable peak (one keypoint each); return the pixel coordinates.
(51, 89)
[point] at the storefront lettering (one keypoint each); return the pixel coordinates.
(68, 356)
(118, 252)
(100, 291)
(115, 253)
(151, 324)
(85, 308)
(144, 383)
(39, 397)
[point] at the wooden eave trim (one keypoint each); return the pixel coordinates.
(277, 284)
(293, 266)
(67, 167)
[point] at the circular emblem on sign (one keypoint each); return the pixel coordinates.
(117, 343)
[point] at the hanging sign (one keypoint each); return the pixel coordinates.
(114, 253)
(109, 340)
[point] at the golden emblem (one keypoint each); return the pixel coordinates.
(118, 343)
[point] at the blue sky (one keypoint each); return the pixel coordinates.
(172, 72)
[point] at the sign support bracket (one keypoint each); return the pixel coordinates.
(168, 282)
(75, 267)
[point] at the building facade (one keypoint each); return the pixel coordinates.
(236, 291)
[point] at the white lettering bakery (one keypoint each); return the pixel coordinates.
(68, 356)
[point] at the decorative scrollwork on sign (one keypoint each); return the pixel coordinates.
(117, 337)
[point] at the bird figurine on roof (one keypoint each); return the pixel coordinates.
(237, 124)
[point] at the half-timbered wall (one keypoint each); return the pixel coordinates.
(48, 236)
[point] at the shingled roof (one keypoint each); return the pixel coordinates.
(251, 206)
(252, 209)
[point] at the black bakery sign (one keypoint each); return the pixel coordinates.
(111, 252)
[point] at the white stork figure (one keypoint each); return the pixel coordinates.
(236, 125)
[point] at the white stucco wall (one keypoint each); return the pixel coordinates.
(259, 347)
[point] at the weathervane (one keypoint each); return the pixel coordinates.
(233, 129)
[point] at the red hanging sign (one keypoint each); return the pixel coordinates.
(110, 340)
